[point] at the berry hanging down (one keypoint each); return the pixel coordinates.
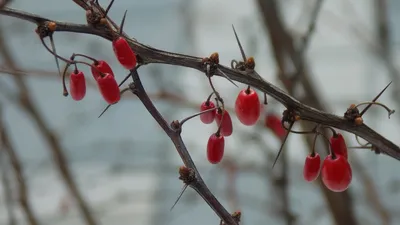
(215, 148)
(77, 85)
(224, 120)
(123, 51)
(338, 145)
(208, 117)
(336, 173)
(109, 89)
(247, 107)
(101, 66)
(312, 166)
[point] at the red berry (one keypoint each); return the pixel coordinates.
(109, 88)
(312, 167)
(336, 173)
(77, 84)
(124, 53)
(226, 123)
(101, 66)
(207, 117)
(338, 145)
(215, 148)
(273, 122)
(247, 107)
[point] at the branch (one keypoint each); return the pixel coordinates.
(152, 55)
(174, 133)
(340, 204)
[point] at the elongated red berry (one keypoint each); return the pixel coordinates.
(312, 166)
(247, 107)
(215, 148)
(77, 84)
(109, 89)
(101, 66)
(338, 145)
(207, 117)
(225, 121)
(336, 173)
(124, 53)
(273, 122)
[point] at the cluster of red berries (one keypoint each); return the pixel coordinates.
(103, 74)
(247, 108)
(336, 171)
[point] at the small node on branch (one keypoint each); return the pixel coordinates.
(290, 116)
(250, 63)
(187, 175)
(352, 113)
(46, 29)
(176, 126)
(93, 17)
(210, 67)
(236, 216)
(214, 58)
(358, 121)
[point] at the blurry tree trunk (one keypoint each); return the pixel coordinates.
(288, 61)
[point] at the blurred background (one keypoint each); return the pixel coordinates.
(126, 169)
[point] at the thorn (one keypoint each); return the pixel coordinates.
(179, 197)
(226, 76)
(104, 111)
(240, 46)
(121, 27)
(283, 143)
(54, 50)
(108, 7)
(124, 80)
(374, 100)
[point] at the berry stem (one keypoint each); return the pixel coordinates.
(218, 97)
(208, 99)
(314, 143)
(196, 114)
(390, 111)
(359, 142)
(248, 89)
(52, 52)
(69, 61)
(265, 99)
(65, 91)
(313, 131)
(334, 134)
(85, 56)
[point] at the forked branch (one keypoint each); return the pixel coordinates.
(152, 55)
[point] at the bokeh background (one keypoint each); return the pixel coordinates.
(126, 167)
